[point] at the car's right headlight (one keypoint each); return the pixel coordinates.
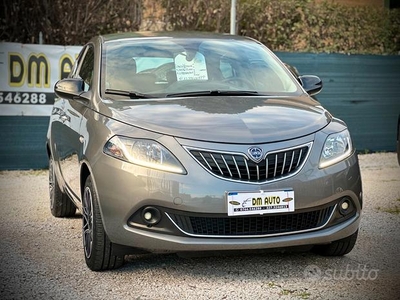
(143, 152)
(337, 147)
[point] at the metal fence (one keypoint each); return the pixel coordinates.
(363, 90)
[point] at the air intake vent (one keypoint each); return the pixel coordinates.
(252, 225)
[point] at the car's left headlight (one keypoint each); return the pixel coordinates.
(337, 147)
(143, 152)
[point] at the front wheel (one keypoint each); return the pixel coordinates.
(97, 246)
(337, 248)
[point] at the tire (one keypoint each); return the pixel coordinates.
(337, 248)
(60, 204)
(98, 248)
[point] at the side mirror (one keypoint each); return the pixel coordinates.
(312, 84)
(69, 88)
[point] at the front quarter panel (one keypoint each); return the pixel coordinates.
(66, 146)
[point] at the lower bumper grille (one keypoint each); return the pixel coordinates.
(251, 225)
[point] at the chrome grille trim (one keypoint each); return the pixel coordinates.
(291, 162)
(247, 169)
(217, 164)
(284, 163)
(205, 161)
(226, 165)
(298, 161)
(238, 167)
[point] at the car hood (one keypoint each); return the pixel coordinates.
(224, 119)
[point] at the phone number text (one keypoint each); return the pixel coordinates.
(26, 98)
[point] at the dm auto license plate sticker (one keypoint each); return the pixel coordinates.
(259, 203)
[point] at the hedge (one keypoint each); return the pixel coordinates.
(283, 25)
(295, 25)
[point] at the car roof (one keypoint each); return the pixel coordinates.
(170, 34)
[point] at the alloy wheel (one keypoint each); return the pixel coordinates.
(51, 183)
(87, 226)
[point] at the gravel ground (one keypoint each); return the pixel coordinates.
(42, 257)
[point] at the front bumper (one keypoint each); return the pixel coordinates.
(158, 243)
(127, 189)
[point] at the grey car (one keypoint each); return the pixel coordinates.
(180, 142)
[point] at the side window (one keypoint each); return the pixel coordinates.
(77, 62)
(87, 68)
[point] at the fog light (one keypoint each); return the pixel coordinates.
(345, 206)
(148, 216)
(151, 215)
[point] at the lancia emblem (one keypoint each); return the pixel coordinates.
(256, 154)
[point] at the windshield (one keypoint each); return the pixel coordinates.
(173, 66)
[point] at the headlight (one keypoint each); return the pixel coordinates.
(337, 147)
(146, 153)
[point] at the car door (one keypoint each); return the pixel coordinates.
(68, 138)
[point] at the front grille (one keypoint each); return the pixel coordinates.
(251, 225)
(237, 166)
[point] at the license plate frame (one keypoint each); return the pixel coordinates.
(260, 202)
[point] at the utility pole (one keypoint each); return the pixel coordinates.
(233, 17)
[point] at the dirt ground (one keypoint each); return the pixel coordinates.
(42, 257)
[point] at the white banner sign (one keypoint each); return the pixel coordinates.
(28, 74)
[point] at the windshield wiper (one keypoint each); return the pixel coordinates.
(214, 93)
(130, 94)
